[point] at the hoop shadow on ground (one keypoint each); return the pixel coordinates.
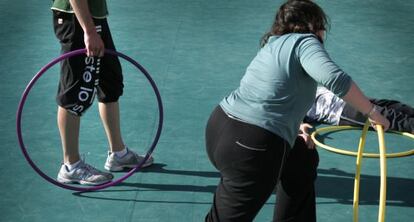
(331, 183)
(339, 185)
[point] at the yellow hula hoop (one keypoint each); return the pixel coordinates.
(357, 180)
(360, 154)
(351, 153)
(383, 169)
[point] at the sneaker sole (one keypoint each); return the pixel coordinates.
(82, 182)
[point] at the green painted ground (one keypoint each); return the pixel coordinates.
(196, 52)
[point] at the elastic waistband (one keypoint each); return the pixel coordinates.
(233, 117)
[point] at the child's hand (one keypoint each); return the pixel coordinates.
(304, 133)
(375, 117)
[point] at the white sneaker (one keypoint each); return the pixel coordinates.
(129, 160)
(83, 174)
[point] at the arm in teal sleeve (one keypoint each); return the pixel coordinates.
(317, 63)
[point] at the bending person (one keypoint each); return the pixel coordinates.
(330, 109)
(252, 135)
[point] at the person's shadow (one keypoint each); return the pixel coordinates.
(339, 185)
(331, 184)
(159, 169)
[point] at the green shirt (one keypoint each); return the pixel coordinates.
(97, 8)
(280, 83)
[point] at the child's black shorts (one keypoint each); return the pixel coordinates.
(84, 77)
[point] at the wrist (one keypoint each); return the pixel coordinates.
(90, 31)
(89, 27)
(372, 111)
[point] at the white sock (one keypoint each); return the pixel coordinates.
(121, 153)
(72, 166)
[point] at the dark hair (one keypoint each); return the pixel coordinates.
(297, 16)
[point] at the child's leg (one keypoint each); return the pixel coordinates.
(295, 191)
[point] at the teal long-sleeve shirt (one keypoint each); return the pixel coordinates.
(280, 83)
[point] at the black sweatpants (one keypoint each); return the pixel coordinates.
(401, 116)
(252, 162)
(84, 77)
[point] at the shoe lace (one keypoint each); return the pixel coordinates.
(87, 170)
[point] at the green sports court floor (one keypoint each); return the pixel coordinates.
(196, 51)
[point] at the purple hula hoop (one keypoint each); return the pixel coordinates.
(40, 73)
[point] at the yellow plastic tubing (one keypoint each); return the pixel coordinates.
(383, 167)
(357, 181)
(360, 154)
(351, 153)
